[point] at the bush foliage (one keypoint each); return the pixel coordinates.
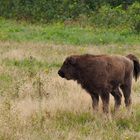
(98, 12)
(112, 17)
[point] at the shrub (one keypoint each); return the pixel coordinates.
(134, 13)
(112, 17)
(42, 10)
(109, 17)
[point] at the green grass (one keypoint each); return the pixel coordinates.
(61, 34)
(5, 78)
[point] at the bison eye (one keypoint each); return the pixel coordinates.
(72, 61)
(66, 64)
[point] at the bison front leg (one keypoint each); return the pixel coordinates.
(95, 101)
(105, 101)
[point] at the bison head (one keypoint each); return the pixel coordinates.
(68, 69)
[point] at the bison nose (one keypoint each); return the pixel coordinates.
(61, 73)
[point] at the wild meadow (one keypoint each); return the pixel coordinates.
(36, 104)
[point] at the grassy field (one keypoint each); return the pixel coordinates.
(36, 104)
(66, 33)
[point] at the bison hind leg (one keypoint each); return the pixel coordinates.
(127, 95)
(126, 89)
(117, 97)
(105, 100)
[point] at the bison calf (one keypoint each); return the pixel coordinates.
(100, 75)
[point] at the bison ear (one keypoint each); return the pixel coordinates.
(72, 60)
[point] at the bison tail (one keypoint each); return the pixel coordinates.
(136, 62)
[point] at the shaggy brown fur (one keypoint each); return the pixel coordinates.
(100, 75)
